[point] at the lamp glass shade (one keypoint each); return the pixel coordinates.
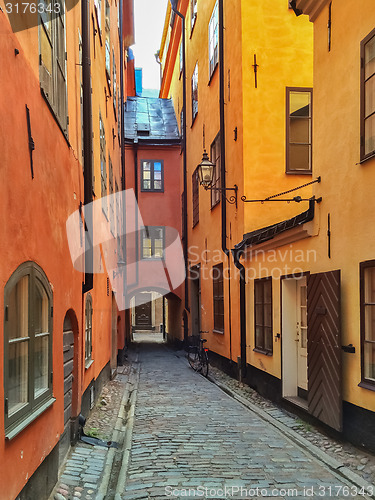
(205, 171)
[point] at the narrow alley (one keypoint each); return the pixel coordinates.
(191, 439)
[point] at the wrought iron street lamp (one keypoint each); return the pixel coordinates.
(206, 174)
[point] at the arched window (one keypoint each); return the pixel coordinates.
(27, 346)
(88, 331)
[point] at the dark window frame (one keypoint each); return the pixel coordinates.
(148, 230)
(35, 404)
(103, 167)
(260, 322)
(193, 15)
(365, 382)
(88, 331)
(194, 94)
(195, 196)
(152, 179)
(363, 155)
(287, 131)
(218, 298)
(213, 61)
(216, 179)
(53, 88)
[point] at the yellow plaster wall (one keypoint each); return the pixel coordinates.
(283, 45)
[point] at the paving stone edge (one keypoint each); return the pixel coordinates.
(128, 432)
(330, 462)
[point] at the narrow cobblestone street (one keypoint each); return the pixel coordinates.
(191, 439)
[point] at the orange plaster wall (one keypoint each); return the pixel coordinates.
(34, 213)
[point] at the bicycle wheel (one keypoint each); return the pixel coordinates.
(193, 358)
(204, 363)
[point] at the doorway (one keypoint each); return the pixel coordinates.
(294, 340)
(195, 289)
(113, 362)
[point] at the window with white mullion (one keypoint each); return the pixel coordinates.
(213, 42)
(28, 344)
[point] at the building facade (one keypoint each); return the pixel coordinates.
(284, 296)
(63, 81)
(152, 152)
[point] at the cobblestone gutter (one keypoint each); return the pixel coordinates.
(342, 456)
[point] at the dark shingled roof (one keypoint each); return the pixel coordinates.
(151, 120)
(267, 233)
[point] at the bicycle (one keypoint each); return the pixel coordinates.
(198, 357)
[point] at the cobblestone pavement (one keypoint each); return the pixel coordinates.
(191, 439)
(357, 460)
(82, 472)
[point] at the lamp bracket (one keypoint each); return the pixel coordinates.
(232, 200)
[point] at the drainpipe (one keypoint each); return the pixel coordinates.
(185, 246)
(122, 151)
(236, 257)
(87, 143)
(136, 190)
(222, 130)
(222, 159)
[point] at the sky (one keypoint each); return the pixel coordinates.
(149, 22)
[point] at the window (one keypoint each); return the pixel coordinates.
(195, 189)
(152, 242)
(213, 40)
(88, 331)
(263, 315)
(193, 12)
(218, 295)
(182, 123)
(181, 58)
(27, 345)
(103, 166)
(98, 12)
(368, 96)
(107, 43)
(298, 130)
(194, 93)
(182, 215)
(52, 62)
(152, 175)
(367, 270)
(111, 198)
(215, 158)
(114, 83)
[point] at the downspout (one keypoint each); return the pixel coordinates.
(222, 130)
(87, 145)
(236, 258)
(122, 152)
(136, 190)
(222, 165)
(185, 246)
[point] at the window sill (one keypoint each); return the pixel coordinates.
(262, 351)
(368, 157)
(298, 172)
(220, 332)
(88, 363)
(15, 430)
(192, 27)
(65, 135)
(194, 119)
(213, 74)
(367, 385)
(215, 205)
(195, 224)
(152, 190)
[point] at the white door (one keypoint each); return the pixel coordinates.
(301, 337)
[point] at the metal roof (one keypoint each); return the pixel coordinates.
(267, 233)
(151, 120)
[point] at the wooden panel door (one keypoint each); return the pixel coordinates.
(324, 348)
